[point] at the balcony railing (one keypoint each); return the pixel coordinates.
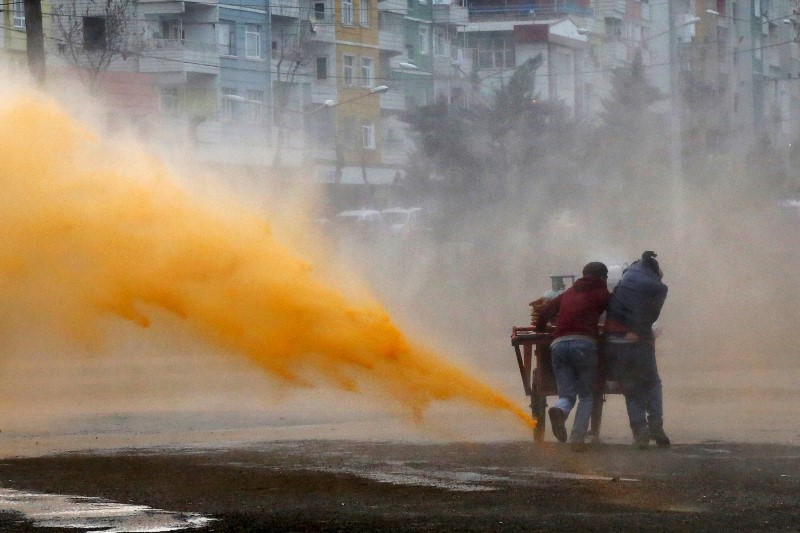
(392, 41)
(323, 27)
(285, 8)
(179, 55)
(533, 9)
(180, 44)
(393, 100)
(452, 14)
(394, 6)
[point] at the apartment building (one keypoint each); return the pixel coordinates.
(502, 36)
(13, 49)
(13, 35)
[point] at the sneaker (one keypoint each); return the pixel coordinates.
(658, 435)
(578, 446)
(641, 441)
(595, 441)
(557, 421)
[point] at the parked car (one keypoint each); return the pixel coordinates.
(364, 223)
(790, 208)
(404, 222)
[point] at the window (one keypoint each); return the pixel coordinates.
(228, 107)
(347, 12)
(349, 66)
(173, 29)
(364, 13)
(255, 107)
(94, 33)
(423, 40)
(226, 38)
(367, 65)
(252, 41)
(613, 28)
(440, 48)
(18, 13)
(457, 97)
(319, 10)
(322, 68)
(368, 136)
(495, 52)
(170, 101)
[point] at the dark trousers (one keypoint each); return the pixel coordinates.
(634, 366)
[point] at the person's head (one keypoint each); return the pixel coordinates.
(596, 269)
(649, 261)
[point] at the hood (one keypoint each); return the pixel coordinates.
(641, 273)
(589, 283)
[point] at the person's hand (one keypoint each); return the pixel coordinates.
(631, 337)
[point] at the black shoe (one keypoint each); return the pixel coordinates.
(578, 446)
(660, 437)
(557, 421)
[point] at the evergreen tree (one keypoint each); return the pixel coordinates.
(489, 151)
(626, 113)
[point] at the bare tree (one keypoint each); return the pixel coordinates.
(292, 51)
(92, 33)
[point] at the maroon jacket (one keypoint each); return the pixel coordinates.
(577, 309)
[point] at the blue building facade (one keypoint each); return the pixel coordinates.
(243, 37)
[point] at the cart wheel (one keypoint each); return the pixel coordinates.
(538, 407)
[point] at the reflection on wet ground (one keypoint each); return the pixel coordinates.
(79, 512)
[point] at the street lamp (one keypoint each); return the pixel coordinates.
(373, 90)
(327, 104)
(718, 14)
(242, 100)
(687, 22)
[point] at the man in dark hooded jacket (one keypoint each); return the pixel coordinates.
(574, 350)
(630, 347)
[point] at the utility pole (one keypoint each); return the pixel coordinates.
(35, 40)
(676, 129)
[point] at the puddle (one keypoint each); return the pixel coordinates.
(80, 512)
(396, 473)
(399, 475)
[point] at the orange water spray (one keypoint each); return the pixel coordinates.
(91, 230)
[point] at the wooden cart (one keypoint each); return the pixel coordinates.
(532, 349)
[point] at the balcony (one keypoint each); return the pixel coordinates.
(392, 41)
(175, 55)
(443, 66)
(614, 53)
(178, 4)
(393, 100)
(323, 29)
(323, 90)
(285, 8)
(612, 6)
(450, 14)
(534, 9)
(394, 6)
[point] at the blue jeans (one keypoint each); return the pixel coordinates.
(634, 366)
(575, 369)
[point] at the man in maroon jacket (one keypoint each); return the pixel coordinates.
(574, 350)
